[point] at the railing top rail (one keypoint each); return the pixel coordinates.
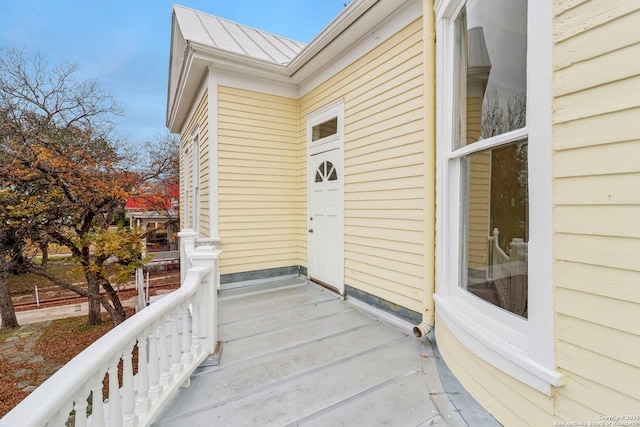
(45, 401)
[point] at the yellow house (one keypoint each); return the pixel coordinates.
(470, 166)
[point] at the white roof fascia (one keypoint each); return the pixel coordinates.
(348, 16)
(382, 21)
(179, 89)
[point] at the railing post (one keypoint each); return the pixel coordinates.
(518, 256)
(187, 238)
(215, 242)
(207, 256)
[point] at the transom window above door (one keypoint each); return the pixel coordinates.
(326, 172)
(324, 129)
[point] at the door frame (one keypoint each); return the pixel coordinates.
(332, 142)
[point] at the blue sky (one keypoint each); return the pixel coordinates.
(124, 45)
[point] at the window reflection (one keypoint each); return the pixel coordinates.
(497, 226)
(492, 63)
(491, 90)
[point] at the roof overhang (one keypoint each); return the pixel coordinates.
(189, 67)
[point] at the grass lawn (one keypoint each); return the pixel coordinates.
(63, 267)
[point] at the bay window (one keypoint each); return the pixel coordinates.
(494, 277)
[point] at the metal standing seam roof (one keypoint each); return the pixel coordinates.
(229, 36)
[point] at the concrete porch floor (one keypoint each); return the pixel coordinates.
(295, 354)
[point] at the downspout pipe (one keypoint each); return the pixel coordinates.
(429, 80)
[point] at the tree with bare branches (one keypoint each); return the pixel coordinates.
(64, 174)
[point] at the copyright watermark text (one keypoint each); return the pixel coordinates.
(604, 421)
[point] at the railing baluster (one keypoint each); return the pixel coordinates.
(128, 393)
(186, 336)
(97, 402)
(154, 368)
(63, 415)
(80, 406)
(115, 408)
(142, 393)
(176, 366)
(195, 325)
(165, 373)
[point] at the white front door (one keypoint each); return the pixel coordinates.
(325, 223)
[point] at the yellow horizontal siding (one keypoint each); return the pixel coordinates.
(607, 37)
(384, 167)
(406, 256)
(580, 305)
(589, 395)
(598, 338)
(508, 400)
(588, 102)
(400, 246)
(238, 266)
(598, 280)
(375, 285)
(595, 71)
(615, 252)
(581, 17)
(258, 168)
(591, 220)
(200, 119)
(597, 130)
(621, 158)
(600, 369)
(572, 410)
(596, 188)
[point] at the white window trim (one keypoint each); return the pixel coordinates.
(522, 348)
(185, 184)
(195, 152)
(326, 113)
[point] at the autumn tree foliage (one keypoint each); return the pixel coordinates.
(161, 176)
(63, 175)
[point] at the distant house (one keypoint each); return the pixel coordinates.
(473, 167)
(159, 212)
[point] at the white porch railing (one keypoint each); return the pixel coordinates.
(509, 273)
(173, 336)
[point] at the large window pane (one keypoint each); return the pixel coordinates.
(495, 224)
(491, 85)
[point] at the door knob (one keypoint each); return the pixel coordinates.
(311, 230)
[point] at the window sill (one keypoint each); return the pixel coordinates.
(503, 347)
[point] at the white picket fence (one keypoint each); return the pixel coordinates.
(173, 336)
